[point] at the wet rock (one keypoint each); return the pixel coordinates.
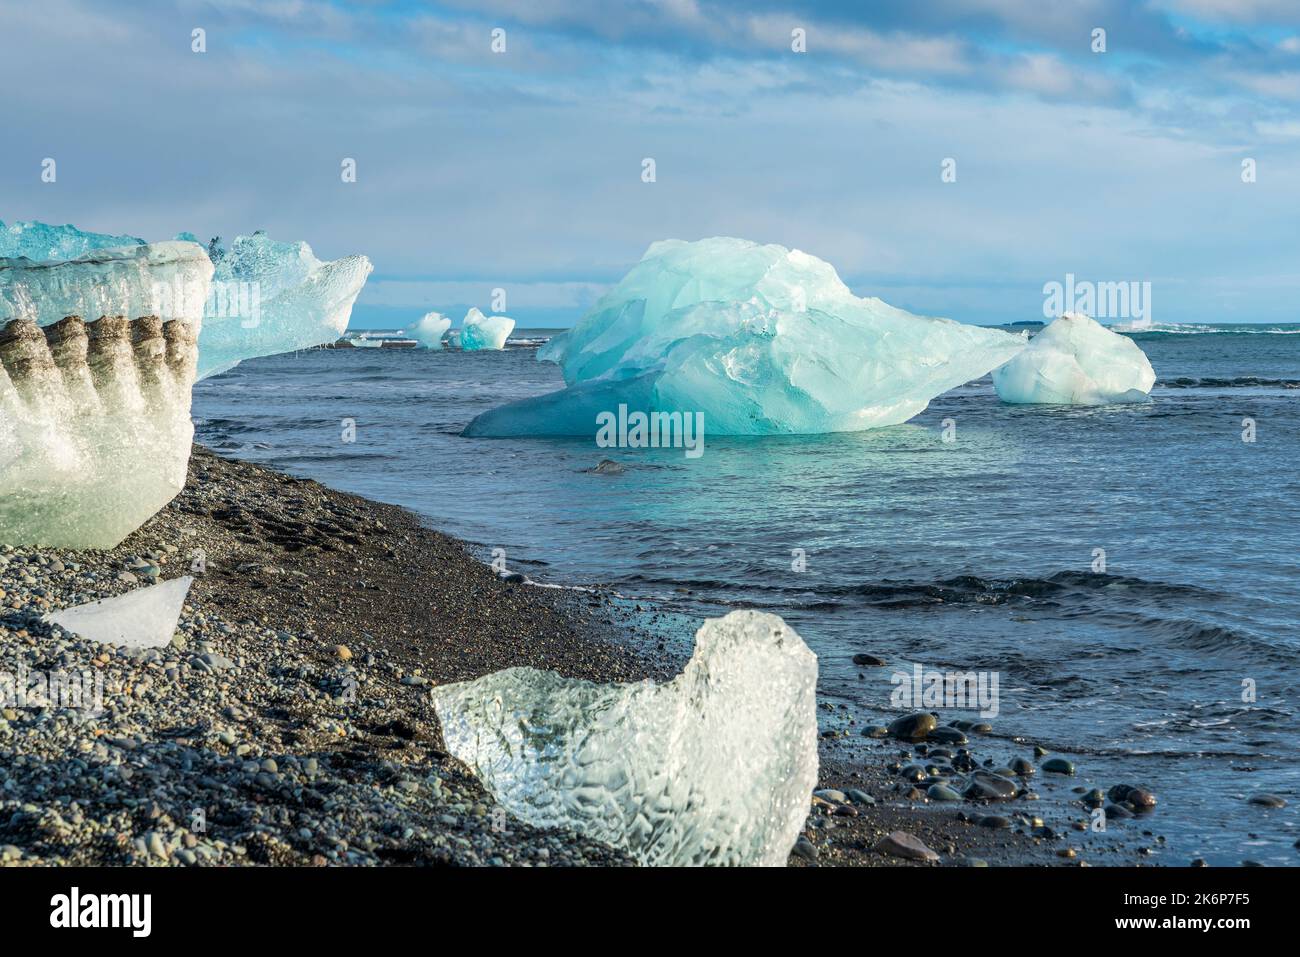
(913, 727)
(1267, 800)
(868, 661)
(1058, 766)
(902, 844)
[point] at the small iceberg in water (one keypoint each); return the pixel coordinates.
(1076, 361)
(484, 332)
(429, 331)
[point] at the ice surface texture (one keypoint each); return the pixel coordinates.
(761, 339)
(95, 427)
(715, 767)
(169, 280)
(303, 302)
(143, 618)
(429, 331)
(484, 332)
(268, 297)
(1076, 361)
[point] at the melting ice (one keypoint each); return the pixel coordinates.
(715, 767)
(484, 332)
(429, 331)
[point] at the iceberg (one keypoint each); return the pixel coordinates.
(429, 331)
(265, 297)
(143, 618)
(95, 427)
(759, 338)
(271, 297)
(715, 767)
(484, 332)
(1075, 360)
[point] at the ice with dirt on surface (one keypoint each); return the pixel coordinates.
(143, 618)
(716, 766)
(1075, 360)
(484, 332)
(429, 331)
(95, 428)
(759, 338)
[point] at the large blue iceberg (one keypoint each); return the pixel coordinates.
(759, 338)
(266, 297)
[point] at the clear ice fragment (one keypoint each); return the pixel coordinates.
(143, 618)
(715, 767)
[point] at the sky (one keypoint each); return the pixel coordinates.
(524, 169)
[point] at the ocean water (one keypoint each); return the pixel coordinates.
(1178, 667)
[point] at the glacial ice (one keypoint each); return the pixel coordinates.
(143, 618)
(1075, 360)
(95, 427)
(286, 299)
(484, 332)
(759, 338)
(169, 280)
(715, 767)
(267, 297)
(429, 331)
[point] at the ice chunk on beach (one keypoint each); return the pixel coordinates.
(715, 767)
(169, 280)
(143, 618)
(1075, 360)
(429, 331)
(266, 297)
(270, 297)
(95, 428)
(484, 332)
(761, 339)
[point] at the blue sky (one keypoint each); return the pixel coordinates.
(522, 170)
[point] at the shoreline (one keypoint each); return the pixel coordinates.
(289, 722)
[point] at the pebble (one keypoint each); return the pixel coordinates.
(941, 792)
(902, 844)
(1058, 766)
(870, 661)
(342, 652)
(1267, 800)
(913, 727)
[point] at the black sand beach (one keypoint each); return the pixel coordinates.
(289, 722)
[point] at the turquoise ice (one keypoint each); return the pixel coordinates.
(1076, 361)
(484, 332)
(760, 338)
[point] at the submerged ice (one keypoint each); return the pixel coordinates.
(714, 767)
(759, 338)
(484, 332)
(1076, 361)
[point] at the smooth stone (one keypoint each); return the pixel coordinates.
(870, 661)
(805, 850)
(1023, 767)
(860, 797)
(947, 736)
(941, 792)
(1117, 811)
(913, 727)
(832, 795)
(1267, 800)
(1058, 766)
(902, 844)
(995, 821)
(875, 731)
